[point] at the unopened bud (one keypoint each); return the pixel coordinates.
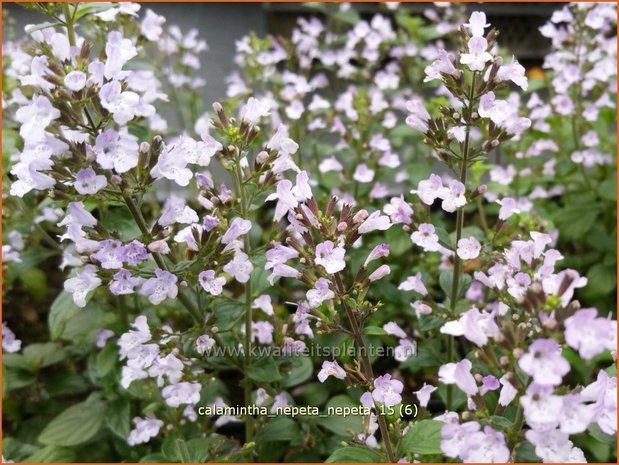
(518, 352)
(341, 227)
(360, 216)
(116, 179)
(262, 157)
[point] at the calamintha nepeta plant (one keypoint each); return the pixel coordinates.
(226, 273)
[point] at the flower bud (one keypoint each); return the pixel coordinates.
(262, 157)
(360, 216)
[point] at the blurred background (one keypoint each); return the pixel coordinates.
(222, 24)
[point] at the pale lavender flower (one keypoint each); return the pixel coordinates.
(380, 251)
(424, 394)
(263, 302)
(399, 210)
(237, 228)
(476, 326)
(109, 254)
(468, 248)
(204, 344)
(116, 150)
(330, 369)
(85, 281)
(379, 273)
(124, 283)
(75, 81)
(414, 283)
(133, 253)
(145, 429)
(10, 343)
(160, 287)
(418, 117)
(375, 222)
(460, 375)
(239, 267)
(387, 390)
(477, 23)
(477, 56)
(320, 293)
(544, 363)
(426, 238)
(88, 182)
(330, 257)
(262, 331)
(181, 393)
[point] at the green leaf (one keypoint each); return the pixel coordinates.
(355, 455)
(302, 369)
(228, 314)
(281, 429)
(106, 359)
(423, 438)
(76, 425)
(602, 279)
(342, 425)
(37, 27)
(525, 452)
(374, 331)
(574, 221)
(41, 355)
(399, 241)
(52, 454)
(264, 371)
(118, 418)
(62, 309)
(608, 189)
(597, 433)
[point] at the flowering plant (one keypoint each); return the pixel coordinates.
(365, 252)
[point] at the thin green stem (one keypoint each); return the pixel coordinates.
(159, 260)
(369, 374)
(68, 21)
(249, 421)
(455, 284)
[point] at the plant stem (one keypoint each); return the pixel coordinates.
(369, 374)
(249, 422)
(68, 21)
(139, 219)
(455, 284)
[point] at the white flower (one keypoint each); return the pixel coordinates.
(10, 343)
(413, 283)
(82, 284)
(116, 150)
(35, 117)
(204, 344)
(263, 302)
(424, 393)
(181, 393)
(375, 222)
(254, 110)
(478, 56)
(75, 81)
(320, 293)
(468, 249)
(151, 26)
(210, 283)
(122, 104)
(330, 257)
(145, 429)
(477, 23)
(240, 267)
(330, 369)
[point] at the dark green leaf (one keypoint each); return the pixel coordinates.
(76, 425)
(355, 455)
(423, 438)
